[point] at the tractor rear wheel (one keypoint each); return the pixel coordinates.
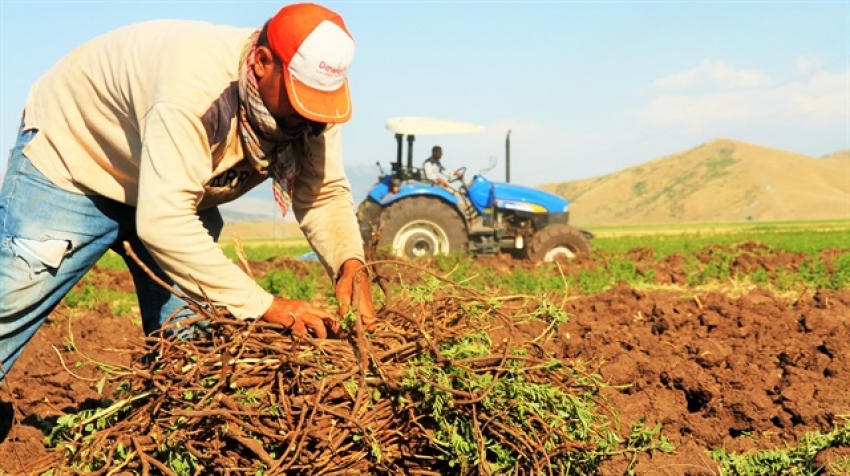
(557, 242)
(422, 226)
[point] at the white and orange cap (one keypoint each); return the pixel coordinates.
(316, 50)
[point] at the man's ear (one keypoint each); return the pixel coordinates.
(263, 61)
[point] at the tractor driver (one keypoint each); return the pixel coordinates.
(434, 169)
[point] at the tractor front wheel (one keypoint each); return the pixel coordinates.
(557, 242)
(422, 226)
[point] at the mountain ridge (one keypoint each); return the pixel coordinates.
(721, 180)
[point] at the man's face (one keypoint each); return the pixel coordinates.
(270, 82)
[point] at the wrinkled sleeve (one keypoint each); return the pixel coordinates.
(323, 204)
(430, 169)
(434, 170)
(175, 164)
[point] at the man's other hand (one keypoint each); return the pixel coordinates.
(353, 288)
(302, 318)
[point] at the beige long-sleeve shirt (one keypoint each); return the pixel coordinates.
(146, 115)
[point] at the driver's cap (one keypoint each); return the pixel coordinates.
(316, 50)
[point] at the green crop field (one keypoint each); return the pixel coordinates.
(663, 240)
(805, 237)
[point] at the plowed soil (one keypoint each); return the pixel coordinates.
(734, 366)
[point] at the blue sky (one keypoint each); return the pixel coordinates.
(585, 87)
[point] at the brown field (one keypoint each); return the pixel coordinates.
(735, 366)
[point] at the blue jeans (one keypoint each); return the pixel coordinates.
(50, 238)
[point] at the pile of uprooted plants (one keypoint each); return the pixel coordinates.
(431, 392)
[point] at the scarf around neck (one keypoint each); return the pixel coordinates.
(273, 150)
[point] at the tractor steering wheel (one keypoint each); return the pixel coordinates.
(458, 175)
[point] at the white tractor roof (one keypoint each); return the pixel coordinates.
(428, 126)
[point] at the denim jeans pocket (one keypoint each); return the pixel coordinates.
(48, 252)
(23, 277)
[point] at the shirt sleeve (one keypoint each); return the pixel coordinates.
(175, 164)
(434, 170)
(323, 204)
(430, 169)
(442, 170)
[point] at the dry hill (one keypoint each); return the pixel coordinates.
(723, 180)
(841, 155)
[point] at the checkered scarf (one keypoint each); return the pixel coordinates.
(274, 150)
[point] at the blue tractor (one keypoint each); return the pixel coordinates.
(415, 217)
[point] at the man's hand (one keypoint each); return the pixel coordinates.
(352, 289)
(301, 318)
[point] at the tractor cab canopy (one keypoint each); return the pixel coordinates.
(411, 127)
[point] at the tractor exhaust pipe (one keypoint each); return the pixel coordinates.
(410, 140)
(508, 157)
(400, 141)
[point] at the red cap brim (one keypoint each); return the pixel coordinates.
(320, 106)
